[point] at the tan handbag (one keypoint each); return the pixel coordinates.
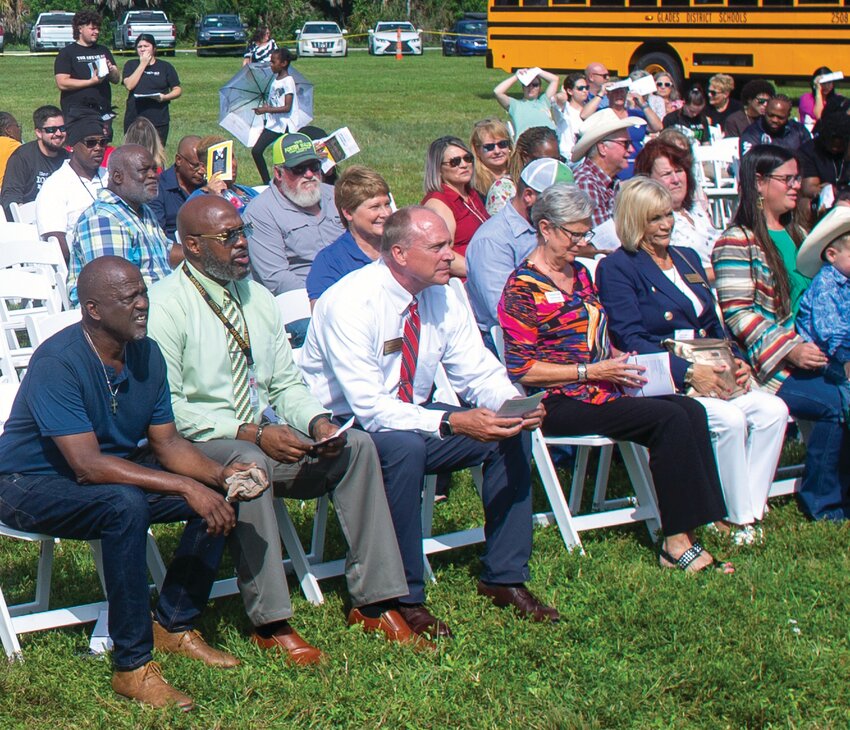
(707, 351)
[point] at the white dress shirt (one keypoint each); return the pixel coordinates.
(346, 369)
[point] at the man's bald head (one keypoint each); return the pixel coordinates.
(199, 221)
(132, 175)
(103, 281)
(189, 169)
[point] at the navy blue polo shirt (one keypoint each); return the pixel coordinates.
(333, 262)
(65, 392)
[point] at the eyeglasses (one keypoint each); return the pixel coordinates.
(91, 143)
(534, 85)
(787, 180)
(54, 130)
(313, 166)
(456, 161)
(714, 92)
(604, 76)
(229, 238)
(761, 100)
(580, 88)
(664, 84)
(194, 165)
(576, 236)
(502, 144)
(627, 143)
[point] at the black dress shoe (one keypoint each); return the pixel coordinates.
(423, 622)
(522, 599)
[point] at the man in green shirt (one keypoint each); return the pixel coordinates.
(229, 360)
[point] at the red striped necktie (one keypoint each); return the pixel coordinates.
(409, 352)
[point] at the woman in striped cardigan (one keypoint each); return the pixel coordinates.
(759, 287)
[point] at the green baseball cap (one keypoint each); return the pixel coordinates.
(293, 149)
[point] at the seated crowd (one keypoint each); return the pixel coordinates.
(579, 231)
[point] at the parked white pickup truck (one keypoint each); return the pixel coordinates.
(51, 32)
(136, 22)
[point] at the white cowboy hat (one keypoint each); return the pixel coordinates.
(833, 225)
(600, 125)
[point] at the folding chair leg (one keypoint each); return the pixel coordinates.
(7, 632)
(44, 577)
(429, 491)
(549, 477)
(579, 475)
(97, 554)
(156, 566)
(309, 582)
(637, 465)
(602, 473)
(320, 528)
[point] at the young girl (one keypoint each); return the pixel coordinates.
(281, 111)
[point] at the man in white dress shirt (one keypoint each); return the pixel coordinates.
(372, 350)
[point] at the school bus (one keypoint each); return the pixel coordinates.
(777, 39)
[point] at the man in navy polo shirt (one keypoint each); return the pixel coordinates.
(177, 183)
(69, 468)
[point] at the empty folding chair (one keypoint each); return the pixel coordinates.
(23, 212)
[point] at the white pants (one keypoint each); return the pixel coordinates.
(747, 434)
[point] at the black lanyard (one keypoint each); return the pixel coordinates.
(244, 343)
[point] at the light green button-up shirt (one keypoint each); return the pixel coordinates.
(194, 343)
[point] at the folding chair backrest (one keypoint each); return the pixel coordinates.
(18, 232)
(23, 212)
(41, 257)
(294, 305)
(40, 328)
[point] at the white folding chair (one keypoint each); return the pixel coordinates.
(10, 232)
(23, 294)
(641, 508)
(38, 257)
(40, 328)
(719, 161)
(294, 305)
(23, 212)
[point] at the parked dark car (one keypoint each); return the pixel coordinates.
(221, 35)
(467, 37)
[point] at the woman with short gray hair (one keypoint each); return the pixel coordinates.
(449, 192)
(556, 340)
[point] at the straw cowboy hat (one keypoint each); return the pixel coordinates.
(833, 225)
(600, 125)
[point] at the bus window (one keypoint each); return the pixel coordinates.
(608, 3)
(642, 3)
(675, 3)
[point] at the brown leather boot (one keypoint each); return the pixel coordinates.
(192, 645)
(147, 685)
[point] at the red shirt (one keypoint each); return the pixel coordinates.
(469, 214)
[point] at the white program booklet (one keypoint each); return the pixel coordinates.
(518, 407)
(527, 75)
(659, 379)
(336, 147)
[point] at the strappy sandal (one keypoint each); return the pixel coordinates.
(684, 561)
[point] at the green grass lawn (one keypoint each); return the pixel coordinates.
(637, 646)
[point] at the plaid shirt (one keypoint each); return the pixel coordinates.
(601, 189)
(110, 227)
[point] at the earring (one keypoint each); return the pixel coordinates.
(760, 202)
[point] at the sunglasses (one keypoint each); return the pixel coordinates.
(91, 143)
(627, 143)
(664, 84)
(313, 166)
(761, 100)
(502, 144)
(714, 92)
(229, 238)
(580, 88)
(53, 130)
(456, 161)
(787, 180)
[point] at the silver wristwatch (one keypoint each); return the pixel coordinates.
(582, 372)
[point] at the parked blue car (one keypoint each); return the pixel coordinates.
(467, 37)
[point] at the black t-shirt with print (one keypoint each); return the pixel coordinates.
(80, 62)
(158, 78)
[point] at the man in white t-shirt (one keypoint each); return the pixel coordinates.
(74, 186)
(281, 112)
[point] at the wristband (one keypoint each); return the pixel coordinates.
(259, 434)
(581, 371)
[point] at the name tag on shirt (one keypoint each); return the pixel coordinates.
(693, 278)
(554, 297)
(683, 334)
(391, 346)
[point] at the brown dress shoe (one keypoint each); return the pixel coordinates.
(424, 623)
(192, 645)
(522, 599)
(296, 650)
(393, 626)
(146, 684)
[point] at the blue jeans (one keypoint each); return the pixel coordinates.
(119, 516)
(824, 491)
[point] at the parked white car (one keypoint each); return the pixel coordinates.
(383, 38)
(321, 38)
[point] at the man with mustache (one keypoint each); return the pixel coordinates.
(120, 222)
(229, 361)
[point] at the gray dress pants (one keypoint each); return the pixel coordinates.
(373, 566)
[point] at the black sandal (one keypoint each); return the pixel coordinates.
(684, 561)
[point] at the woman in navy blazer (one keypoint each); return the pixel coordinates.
(653, 291)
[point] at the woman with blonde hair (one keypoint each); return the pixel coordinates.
(491, 145)
(143, 132)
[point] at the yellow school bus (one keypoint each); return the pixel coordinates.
(777, 39)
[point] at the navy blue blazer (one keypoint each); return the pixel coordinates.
(644, 307)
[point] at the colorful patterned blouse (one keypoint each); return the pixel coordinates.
(546, 324)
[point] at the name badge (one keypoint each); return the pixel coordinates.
(683, 334)
(391, 346)
(554, 297)
(253, 391)
(693, 278)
